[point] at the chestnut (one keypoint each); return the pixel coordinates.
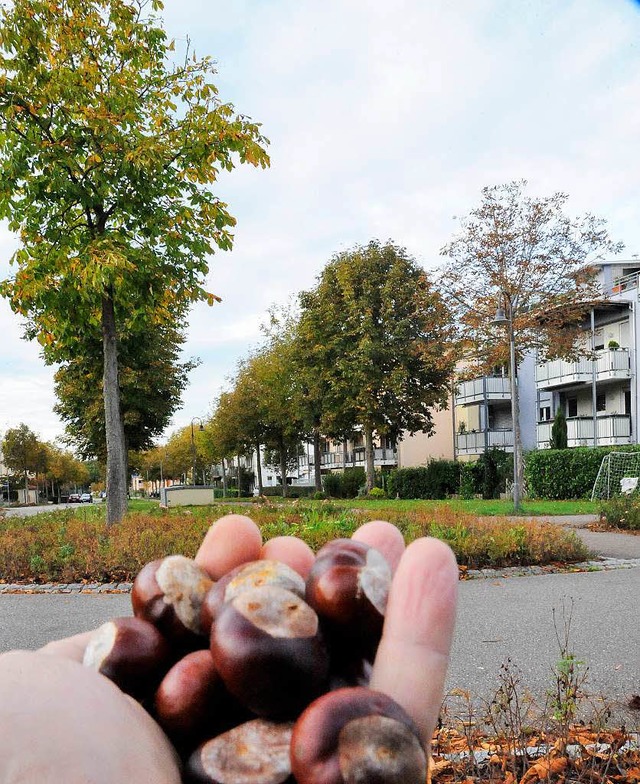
(357, 735)
(249, 575)
(267, 646)
(256, 752)
(168, 592)
(348, 587)
(192, 703)
(131, 652)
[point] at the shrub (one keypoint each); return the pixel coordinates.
(565, 473)
(376, 492)
(344, 485)
(293, 491)
(467, 480)
(622, 512)
(491, 471)
(437, 480)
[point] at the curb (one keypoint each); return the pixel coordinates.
(600, 565)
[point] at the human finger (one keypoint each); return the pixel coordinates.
(290, 550)
(70, 647)
(413, 655)
(231, 541)
(386, 538)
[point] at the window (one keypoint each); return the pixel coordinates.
(601, 402)
(572, 406)
(545, 414)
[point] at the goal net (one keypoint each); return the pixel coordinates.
(619, 474)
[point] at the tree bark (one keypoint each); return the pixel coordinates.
(259, 468)
(316, 459)
(283, 469)
(368, 456)
(114, 426)
(224, 478)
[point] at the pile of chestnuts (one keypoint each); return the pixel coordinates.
(261, 677)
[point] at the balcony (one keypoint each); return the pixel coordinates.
(611, 365)
(355, 457)
(611, 429)
(477, 390)
(476, 442)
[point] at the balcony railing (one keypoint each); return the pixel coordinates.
(356, 457)
(610, 364)
(611, 429)
(476, 442)
(478, 389)
(622, 284)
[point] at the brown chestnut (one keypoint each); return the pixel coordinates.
(131, 652)
(168, 592)
(267, 646)
(357, 735)
(192, 703)
(254, 574)
(256, 752)
(348, 587)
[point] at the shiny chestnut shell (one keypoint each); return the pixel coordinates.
(357, 735)
(131, 652)
(168, 592)
(267, 646)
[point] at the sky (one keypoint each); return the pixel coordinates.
(385, 121)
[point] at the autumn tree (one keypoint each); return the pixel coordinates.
(152, 378)
(377, 341)
(108, 151)
(525, 256)
(22, 452)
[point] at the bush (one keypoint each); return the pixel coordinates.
(344, 485)
(565, 473)
(622, 512)
(376, 492)
(467, 481)
(293, 491)
(437, 480)
(490, 472)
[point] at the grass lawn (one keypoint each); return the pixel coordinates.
(476, 506)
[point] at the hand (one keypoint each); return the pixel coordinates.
(62, 722)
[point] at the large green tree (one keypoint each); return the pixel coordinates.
(108, 151)
(152, 378)
(377, 342)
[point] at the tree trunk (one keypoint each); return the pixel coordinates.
(316, 459)
(224, 479)
(114, 427)
(259, 468)
(283, 469)
(26, 486)
(368, 457)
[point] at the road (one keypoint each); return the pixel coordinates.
(28, 511)
(497, 619)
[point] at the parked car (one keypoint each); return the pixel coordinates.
(74, 498)
(86, 498)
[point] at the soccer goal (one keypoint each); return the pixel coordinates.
(618, 475)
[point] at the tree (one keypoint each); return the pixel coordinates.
(559, 430)
(152, 380)
(525, 256)
(107, 157)
(22, 452)
(378, 340)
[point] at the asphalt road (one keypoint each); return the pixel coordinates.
(497, 619)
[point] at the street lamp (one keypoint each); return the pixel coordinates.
(501, 319)
(193, 445)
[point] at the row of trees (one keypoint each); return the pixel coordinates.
(55, 470)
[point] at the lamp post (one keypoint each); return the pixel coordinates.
(193, 445)
(505, 318)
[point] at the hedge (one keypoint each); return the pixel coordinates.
(438, 479)
(346, 484)
(293, 491)
(566, 473)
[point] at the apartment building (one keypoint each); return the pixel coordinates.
(599, 396)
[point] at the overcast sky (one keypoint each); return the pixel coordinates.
(385, 120)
